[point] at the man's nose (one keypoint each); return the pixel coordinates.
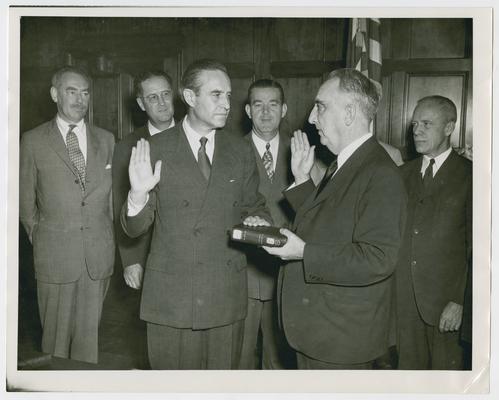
(225, 102)
(312, 118)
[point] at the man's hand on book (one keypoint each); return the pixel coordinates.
(292, 250)
(254, 220)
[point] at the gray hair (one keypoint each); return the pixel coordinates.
(56, 78)
(446, 106)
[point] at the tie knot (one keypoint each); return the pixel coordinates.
(71, 127)
(267, 146)
(332, 168)
(432, 161)
(203, 141)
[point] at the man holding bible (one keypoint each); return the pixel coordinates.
(204, 181)
(337, 287)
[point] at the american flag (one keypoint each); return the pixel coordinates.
(364, 48)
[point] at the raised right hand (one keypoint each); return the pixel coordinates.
(302, 157)
(142, 177)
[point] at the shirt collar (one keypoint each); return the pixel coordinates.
(261, 144)
(153, 130)
(193, 136)
(439, 160)
(64, 125)
(351, 148)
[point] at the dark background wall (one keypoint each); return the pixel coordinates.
(420, 57)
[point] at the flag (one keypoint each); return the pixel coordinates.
(364, 48)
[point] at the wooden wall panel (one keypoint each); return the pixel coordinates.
(438, 38)
(297, 39)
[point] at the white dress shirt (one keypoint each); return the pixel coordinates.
(261, 146)
(193, 138)
(80, 130)
(153, 130)
(439, 160)
(347, 152)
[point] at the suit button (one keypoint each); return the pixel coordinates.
(305, 301)
(235, 204)
(413, 263)
(185, 203)
(77, 181)
(83, 204)
(416, 231)
(81, 228)
(199, 302)
(197, 232)
(229, 263)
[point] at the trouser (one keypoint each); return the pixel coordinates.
(305, 362)
(423, 346)
(275, 353)
(70, 314)
(186, 348)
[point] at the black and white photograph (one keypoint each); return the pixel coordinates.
(268, 190)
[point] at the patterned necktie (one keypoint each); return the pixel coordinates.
(428, 174)
(268, 162)
(327, 176)
(203, 160)
(75, 155)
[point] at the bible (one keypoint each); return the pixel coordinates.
(259, 235)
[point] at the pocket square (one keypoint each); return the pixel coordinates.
(108, 166)
(232, 180)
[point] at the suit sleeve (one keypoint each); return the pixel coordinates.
(132, 251)
(296, 196)
(371, 255)
(28, 209)
(253, 201)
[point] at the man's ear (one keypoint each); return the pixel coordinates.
(284, 110)
(449, 128)
(140, 102)
(189, 97)
(53, 94)
(248, 110)
(350, 112)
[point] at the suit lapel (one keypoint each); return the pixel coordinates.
(183, 161)
(222, 165)
(93, 167)
(57, 143)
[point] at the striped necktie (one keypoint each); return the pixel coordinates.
(268, 162)
(327, 176)
(75, 155)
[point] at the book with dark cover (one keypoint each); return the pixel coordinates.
(259, 235)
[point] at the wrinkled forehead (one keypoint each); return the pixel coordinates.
(154, 84)
(73, 79)
(211, 80)
(265, 94)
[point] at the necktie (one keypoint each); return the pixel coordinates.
(75, 155)
(327, 176)
(203, 160)
(428, 174)
(268, 162)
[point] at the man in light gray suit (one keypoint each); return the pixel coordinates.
(65, 207)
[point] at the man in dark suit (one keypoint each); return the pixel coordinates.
(154, 95)
(436, 251)
(194, 295)
(65, 207)
(266, 108)
(336, 290)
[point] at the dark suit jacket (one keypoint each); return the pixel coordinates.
(132, 251)
(336, 301)
(195, 278)
(437, 241)
(262, 267)
(70, 231)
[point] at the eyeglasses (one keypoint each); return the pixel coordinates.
(155, 97)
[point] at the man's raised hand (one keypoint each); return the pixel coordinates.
(142, 177)
(302, 157)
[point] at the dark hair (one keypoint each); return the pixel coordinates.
(144, 76)
(190, 77)
(56, 78)
(266, 83)
(365, 92)
(446, 106)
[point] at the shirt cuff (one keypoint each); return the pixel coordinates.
(133, 208)
(291, 186)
